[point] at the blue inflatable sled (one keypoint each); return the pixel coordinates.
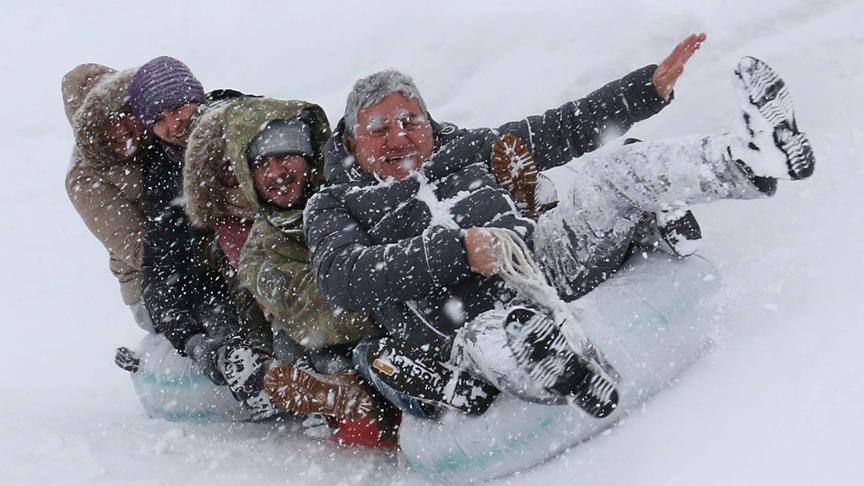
(652, 320)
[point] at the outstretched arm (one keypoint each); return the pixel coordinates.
(564, 133)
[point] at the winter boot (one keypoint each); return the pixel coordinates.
(514, 169)
(775, 148)
(675, 232)
(679, 230)
(301, 390)
(523, 351)
(421, 375)
(244, 368)
(379, 432)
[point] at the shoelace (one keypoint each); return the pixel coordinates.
(518, 269)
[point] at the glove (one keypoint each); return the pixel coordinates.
(203, 350)
(126, 359)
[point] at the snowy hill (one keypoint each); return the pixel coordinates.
(778, 401)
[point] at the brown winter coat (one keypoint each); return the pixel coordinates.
(105, 191)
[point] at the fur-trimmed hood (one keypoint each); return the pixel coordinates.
(210, 193)
(77, 83)
(105, 102)
(246, 118)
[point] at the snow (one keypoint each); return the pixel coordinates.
(778, 402)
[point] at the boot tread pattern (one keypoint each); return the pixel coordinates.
(514, 168)
(767, 92)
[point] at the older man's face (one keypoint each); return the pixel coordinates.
(392, 137)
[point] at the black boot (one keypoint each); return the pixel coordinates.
(583, 376)
(421, 375)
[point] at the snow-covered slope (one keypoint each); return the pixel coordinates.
(778, 402)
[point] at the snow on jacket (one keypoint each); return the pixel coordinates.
(186, 280)
(104, 190)
(274, 262)
(395, 248)
(213, 201)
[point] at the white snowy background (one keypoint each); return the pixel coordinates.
(779, 401)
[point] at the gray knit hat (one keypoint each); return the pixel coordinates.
(163, 84)
(281, 137)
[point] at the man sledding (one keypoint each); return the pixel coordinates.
(416, 229)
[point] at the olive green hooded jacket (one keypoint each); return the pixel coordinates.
(274, 262)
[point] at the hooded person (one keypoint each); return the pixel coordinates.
(104, 179)
(249, 169)
(274, 262)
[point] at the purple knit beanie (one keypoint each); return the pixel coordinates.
(162, 84)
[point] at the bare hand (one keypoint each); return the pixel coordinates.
(482, 251)
(668, 72)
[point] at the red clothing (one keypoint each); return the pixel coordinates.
(366, 432)
(231, 234)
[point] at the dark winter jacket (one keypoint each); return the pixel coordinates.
(396, 248)
(183, 294)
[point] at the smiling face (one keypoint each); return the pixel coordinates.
(124, 136)
(281, 179)
(173, 125)
(392, 137)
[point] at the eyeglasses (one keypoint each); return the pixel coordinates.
(405, 120)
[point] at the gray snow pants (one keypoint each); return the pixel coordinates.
(586, 238)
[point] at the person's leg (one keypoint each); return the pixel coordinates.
(585, 239)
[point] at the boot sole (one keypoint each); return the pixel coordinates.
(589, 380)
(305, 392)
(514, 168)
(767, 92)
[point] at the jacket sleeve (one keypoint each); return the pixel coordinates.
(355, 274)
(562, 134)
(115, 221)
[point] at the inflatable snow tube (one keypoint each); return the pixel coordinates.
(170, 387)
(652, 320)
